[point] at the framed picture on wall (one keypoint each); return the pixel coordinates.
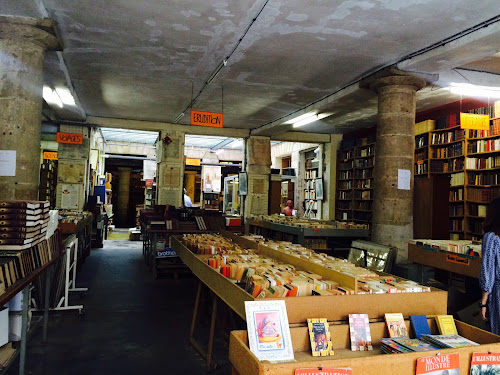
(319, 189)
(242, 184)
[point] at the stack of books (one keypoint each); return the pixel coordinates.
(22, 224)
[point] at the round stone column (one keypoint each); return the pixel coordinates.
(123, 196)
(22, 49)
(392, 221)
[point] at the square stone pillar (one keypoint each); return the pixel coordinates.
(258, 167)
(170, 159)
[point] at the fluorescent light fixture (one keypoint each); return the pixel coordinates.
(179, 116)
(216, 71)
(219, 151)
(65, 96)
(301, 117)
(310, 119)
(468, 89)
(237, 143)
(51, 97)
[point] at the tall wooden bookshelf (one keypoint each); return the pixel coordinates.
(311, 176)
(471, 158)
(354, 195)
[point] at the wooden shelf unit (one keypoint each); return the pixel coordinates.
(354, 195)
(470, 158)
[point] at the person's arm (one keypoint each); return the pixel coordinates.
(484, 301)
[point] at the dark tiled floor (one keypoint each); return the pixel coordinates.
(132, 324)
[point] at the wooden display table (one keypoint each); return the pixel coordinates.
(302, 235)
(461, 264)
(299, 309)
(372, 362)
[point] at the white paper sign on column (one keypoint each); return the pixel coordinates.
(404, 177)
(8, 163)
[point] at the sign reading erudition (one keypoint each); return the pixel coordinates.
(212, 119)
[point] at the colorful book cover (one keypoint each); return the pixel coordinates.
(485, 364)
(420, 325)
(390, 346)
(320, 336)
(359, 328)
(449, 341)
(396, 325)
(324, 371)
(446, 324)
(414, 345)
(268, 330)
(442, 364)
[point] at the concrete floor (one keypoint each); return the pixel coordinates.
(132, 324)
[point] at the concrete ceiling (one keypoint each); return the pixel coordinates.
(146, 60)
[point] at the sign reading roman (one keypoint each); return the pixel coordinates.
(212, 119)
(73, 138)
(474, 122)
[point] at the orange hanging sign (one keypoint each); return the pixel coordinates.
(73, 138)
(474, 122)
(212, 119)
(50, 155)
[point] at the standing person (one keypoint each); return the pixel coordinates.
(288, 210)
(187, 200)
(490, 268)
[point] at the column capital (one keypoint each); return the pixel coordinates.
(392, 76)
(42, 32)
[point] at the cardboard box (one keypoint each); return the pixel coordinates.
(4, 326)
(233, 221)
(367, 363)
(299, 309)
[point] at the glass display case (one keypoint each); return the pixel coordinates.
(231, 196)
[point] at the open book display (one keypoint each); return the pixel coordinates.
(265, 277)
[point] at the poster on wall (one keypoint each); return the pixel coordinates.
(69, 196)
(211, 175)
(7, 163)
(149, 167)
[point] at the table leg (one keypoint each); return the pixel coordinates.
(48, 277)
(24, 330)
(195, 311)
(211, 365)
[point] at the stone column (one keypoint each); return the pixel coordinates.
(393, 207)
(329, 177)
(170, 156)
(23, 42)
(123, 196)
(258, 167)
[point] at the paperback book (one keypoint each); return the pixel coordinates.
(446, 324)
(268, 330)
(448, 341)
(359, 329)
(396, 325)
(485, 364)
(420, 325)
(320, 337)
(415, 345)
(439, 364)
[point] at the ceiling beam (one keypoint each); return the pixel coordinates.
(301, 137)
(106, 122)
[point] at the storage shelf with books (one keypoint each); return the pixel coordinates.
(472, 160)
(312, 172)
(345, 184)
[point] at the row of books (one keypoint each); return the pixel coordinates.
(491, 110)
(484, 145)
(421, 168)
(366, 151)
(421, 141)
(449, 121)
(446, 166)
(453, 150)
(310, 194)
(363, 163)
(363, 184)
(344, 175)
(345, 165)
(456, 195)
(345, 195)
(421, 155)
(311, 184)
(367, 194)
(477, 210)
(494, 130)
(313, 173)
(345, 184)
(482, 195)
(363, 173)
(483, 163)
(447, 137)
(456, 225)
(457, 179)
(456, 210)
(460, 247)
(483, 178)
(424, 127)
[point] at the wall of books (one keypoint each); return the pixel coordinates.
(471, 159)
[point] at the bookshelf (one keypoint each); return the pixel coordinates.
(471, 159)
(149, 194)
(354, 195)
(48, 182)
(311, 175)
